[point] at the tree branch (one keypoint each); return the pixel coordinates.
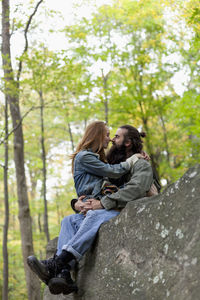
(20, 122)
(28, 111)
(26, 39)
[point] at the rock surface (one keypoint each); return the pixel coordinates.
(151, 251)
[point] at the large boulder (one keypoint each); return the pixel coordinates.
(150, 251)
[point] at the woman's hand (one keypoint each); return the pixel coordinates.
(145, 155)
(79, 204)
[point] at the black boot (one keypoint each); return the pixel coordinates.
(44, 269)
(63, 259)
(50, 268)
(63, 283)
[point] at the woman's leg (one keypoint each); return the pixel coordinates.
(86, 233)
(69, 227)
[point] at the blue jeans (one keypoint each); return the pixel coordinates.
(78, 231)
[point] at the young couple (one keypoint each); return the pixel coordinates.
(130, 177)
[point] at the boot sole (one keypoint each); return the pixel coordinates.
(34, 265)
(59, 285)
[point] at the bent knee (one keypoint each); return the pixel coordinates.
(69, 218)
(95, 212)
(65, 219)
(91, 213)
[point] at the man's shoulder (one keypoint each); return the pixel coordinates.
(141, 163)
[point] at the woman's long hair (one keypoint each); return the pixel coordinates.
(93, 139)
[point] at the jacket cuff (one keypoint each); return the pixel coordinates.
(125, 165)
(108, 203)
(134, 159)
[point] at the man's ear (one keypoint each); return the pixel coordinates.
(128, 143)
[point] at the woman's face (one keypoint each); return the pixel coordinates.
(106, 138)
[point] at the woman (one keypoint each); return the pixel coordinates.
(78, 231)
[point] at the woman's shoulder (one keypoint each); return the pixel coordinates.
(84, 153)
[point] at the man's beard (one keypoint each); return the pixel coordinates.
(116, 154)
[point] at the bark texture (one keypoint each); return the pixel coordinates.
(6, 211)
(44, 167)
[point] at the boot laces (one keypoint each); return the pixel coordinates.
(51, 265)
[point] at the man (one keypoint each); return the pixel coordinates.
(78, 232)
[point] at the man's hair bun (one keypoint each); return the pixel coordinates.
(142, 134)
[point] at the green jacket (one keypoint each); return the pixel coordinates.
(141, 179)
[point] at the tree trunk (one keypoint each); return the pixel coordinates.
(154, 163)
(71, 136)
(165, 138)
(144, 118)
(44, 169)
(105, 88)
(6, 205)
(58, 208)
(153, 160)
(12, 94)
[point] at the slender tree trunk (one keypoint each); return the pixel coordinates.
(44, 169)
(6, 205)
(57, 208)
(12, 94)
(148, 143)
(145, 124)
(150, 151)
(71, 136)
(39, 223)
(165, 138)
(105, 88)
(32, 201)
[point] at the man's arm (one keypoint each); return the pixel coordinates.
(139, 184)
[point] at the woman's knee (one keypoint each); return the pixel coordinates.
(67, 219)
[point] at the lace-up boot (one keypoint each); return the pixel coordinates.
(44, 269)
(49, 268)
(62, 283)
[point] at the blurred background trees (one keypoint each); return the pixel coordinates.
(128, 62)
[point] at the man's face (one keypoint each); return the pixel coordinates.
(118, 139)
(117, 152)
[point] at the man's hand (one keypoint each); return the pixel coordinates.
(85, 206)
(89, 204)
(94, 204)
(153, 191)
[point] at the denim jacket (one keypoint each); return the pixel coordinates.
(89, 172)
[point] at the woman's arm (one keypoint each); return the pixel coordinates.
(93, 165)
